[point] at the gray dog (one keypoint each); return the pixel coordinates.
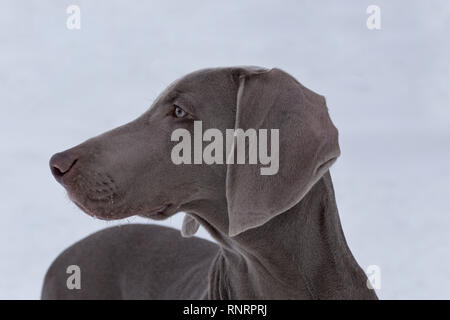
(279, 236)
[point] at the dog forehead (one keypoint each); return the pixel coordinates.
(216, 86)
(201, 83)
(212, 80)
(205, 89)
(220, 74)
(203, 79)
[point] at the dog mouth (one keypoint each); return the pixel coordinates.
(96, 194)
(97, 212)
(158, 213)
(83, 208)
(111, 213)
(101, 198)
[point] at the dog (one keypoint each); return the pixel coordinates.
(278, 236)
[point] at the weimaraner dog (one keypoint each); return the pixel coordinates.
(278, 236)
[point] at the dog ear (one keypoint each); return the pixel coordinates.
(308, 146)
(190, 226)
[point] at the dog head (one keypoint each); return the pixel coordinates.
(131, 171)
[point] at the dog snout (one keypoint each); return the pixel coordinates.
(61, 163)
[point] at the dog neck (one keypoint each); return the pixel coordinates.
(300, 254)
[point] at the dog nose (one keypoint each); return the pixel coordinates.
(61, 163)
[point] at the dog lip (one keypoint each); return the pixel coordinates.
(159, 210)
(83, 208)
(157, 213)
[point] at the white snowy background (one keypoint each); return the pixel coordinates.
(388, 92)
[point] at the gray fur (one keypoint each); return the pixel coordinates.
(279, 236)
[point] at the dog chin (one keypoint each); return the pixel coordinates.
(158, 213)
(99, 213)
(155, 216)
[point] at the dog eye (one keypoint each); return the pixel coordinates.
(178, 112)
